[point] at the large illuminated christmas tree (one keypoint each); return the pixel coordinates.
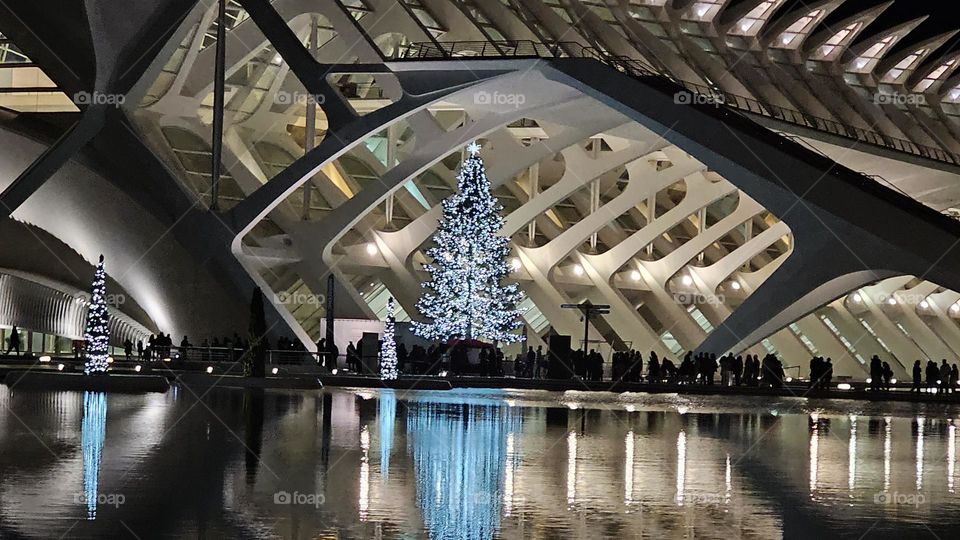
(96, 336)
(466, 297)
(388, 351)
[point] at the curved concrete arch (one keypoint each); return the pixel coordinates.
(42, 305)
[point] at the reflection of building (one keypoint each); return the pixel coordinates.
(460, 459)
(687, 212)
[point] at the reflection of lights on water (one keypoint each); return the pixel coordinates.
(887, 451)
(628, 469)
(814, 451)
(386, 414)
(728, 477)
(920, 422)
(460, 457)
(508, 477)
(681, 465)
(93, 432)
(364, 501)
(571, 468)
(852, 458)
(951, 454)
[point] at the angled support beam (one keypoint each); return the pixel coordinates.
(50, 161)
(301, 62)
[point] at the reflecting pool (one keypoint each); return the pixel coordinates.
(356, 463)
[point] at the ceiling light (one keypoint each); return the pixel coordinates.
(635, 275)
(578, 270)
(371, 248)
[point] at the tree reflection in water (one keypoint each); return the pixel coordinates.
(460, 458)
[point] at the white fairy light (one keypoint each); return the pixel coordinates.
(388, 350)
(466, 296)
(96, 335)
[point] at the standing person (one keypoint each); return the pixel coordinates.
(333, 356)
(954, 378)
(876, 373)
(917, 377)
(541, 364)
(128, 348)
(653, 368)
(737, 370)
(14, 342)
(932, 373)
(351, 355)
(139, 349)
(532, 360)
(944, 376)
(887, 376)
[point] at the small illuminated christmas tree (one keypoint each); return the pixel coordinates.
(466, 296)
(96, 336)
(388, 350)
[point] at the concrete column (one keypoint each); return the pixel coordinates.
(310, 123)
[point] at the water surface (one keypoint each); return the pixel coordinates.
(472, 464)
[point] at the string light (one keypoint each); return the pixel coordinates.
(466, 296)
(388, 350)
(96, 336)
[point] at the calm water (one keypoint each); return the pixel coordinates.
(471, 464)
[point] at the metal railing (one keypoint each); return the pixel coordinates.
(218, 355)
(465, 50)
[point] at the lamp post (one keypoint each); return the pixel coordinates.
(588, 310)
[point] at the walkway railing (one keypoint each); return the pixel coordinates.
(465, 50)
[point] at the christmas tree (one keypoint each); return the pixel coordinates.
(466, 296)
(388, 351)
(96, 336)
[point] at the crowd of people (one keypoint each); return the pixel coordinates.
(942, 377)
(625, 366)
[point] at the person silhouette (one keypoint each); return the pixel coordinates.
(917, 377)
(14, 342)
